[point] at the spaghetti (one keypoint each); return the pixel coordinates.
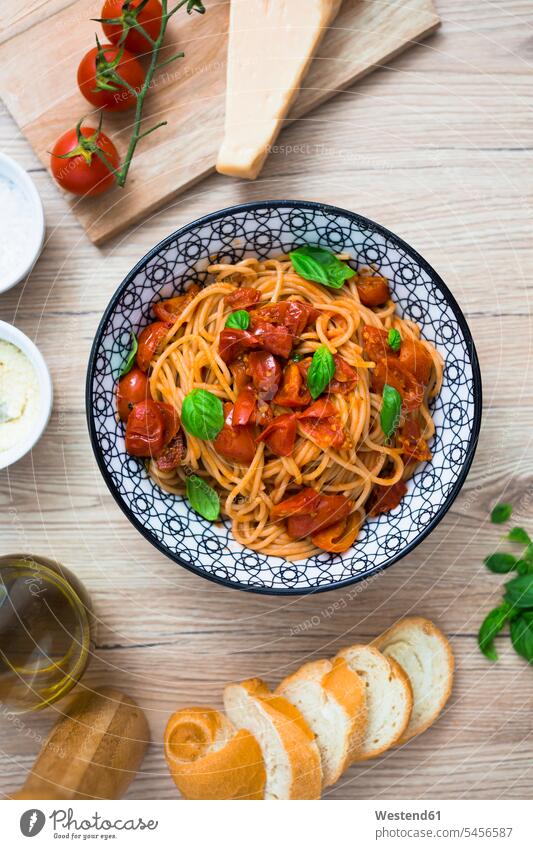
(295, 470)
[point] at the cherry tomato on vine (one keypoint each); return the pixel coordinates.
(118, 18)
(100, 73)
(76, 164)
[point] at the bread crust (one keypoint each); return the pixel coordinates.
(209, 759)
(429, 629)
(397, 674)
(345, 687)
(295, 735)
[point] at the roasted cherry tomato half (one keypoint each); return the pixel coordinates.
(235, 443)
(131, 389)
(383, 499)
(120, 16)
(242, 298)
(373, 290)
(145, 430)
(171, 309)
(280, 434)
(75, 163)
(149, 341)
(98, 84)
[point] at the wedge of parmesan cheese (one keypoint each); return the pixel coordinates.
(271, 45)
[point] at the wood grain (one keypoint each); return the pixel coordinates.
(437, 147)
(188, 94)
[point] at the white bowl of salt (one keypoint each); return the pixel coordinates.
(22, 223)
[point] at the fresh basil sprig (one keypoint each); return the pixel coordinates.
(519, 535)
(522, 635)
(394, 340)
(130, 359)
(494, 622)
(321, 266)
(240, 319)
(390, 410)
(501, 562)
(202, 414)
(519, 592)
(320, 371)
(501, 513)
(203, 498)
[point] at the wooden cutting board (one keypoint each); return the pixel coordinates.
(42, 43)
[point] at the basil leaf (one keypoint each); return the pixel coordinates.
(203, 498)
(239, 319)
(501, 562)
(390, 410)
(394, 340)
(130, 359)
(522, 636)
(320, 371)
(519, 535)
(202, 414)
(524, 567)
(501, 513)
(320, 265)
(493, 623)
(519, 591)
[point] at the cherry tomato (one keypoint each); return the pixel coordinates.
(171, 421)
(386, 498)
(149, 341)
(280, 434)
(296, 505)
(277, 340)
(416, 359)
(328, 510)
(233, 342)
(392, 372)
(293, 392)
(373, 290)
(145, 430)
(410, 441)
(76, 166)
(96, 81)
(338, 537)
(375, 343)
(265, 371)
(170, 310)
(327, 433)
(235, 443)
(173, 454)
(121, 19)
(242, 298)
(345, 378)
(244, 406)
(294, 315)
(241, 378)
(321, 409)
(131, 389)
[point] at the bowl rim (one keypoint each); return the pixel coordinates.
(11, 168)
(316, 206)
(10, 333)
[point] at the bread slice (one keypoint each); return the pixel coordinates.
(332, 699)
(290, 753)
(426, 656)
(389, 698)
(209, 759)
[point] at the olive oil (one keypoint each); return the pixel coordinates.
(45, 632)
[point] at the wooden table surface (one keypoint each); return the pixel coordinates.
(438, 148)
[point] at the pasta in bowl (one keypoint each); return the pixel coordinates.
(282, 401)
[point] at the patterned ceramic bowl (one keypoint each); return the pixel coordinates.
(266, 229)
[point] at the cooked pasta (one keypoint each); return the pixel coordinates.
(298, 465)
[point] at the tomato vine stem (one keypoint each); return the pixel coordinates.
(121, 173)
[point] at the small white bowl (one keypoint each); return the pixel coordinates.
(35, 230)
(9, 333)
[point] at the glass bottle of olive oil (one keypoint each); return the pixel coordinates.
(46, 632)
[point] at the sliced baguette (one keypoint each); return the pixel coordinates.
(332, 699)
(290, 753)
(426, 656)
(209, 759)
(389, 698)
